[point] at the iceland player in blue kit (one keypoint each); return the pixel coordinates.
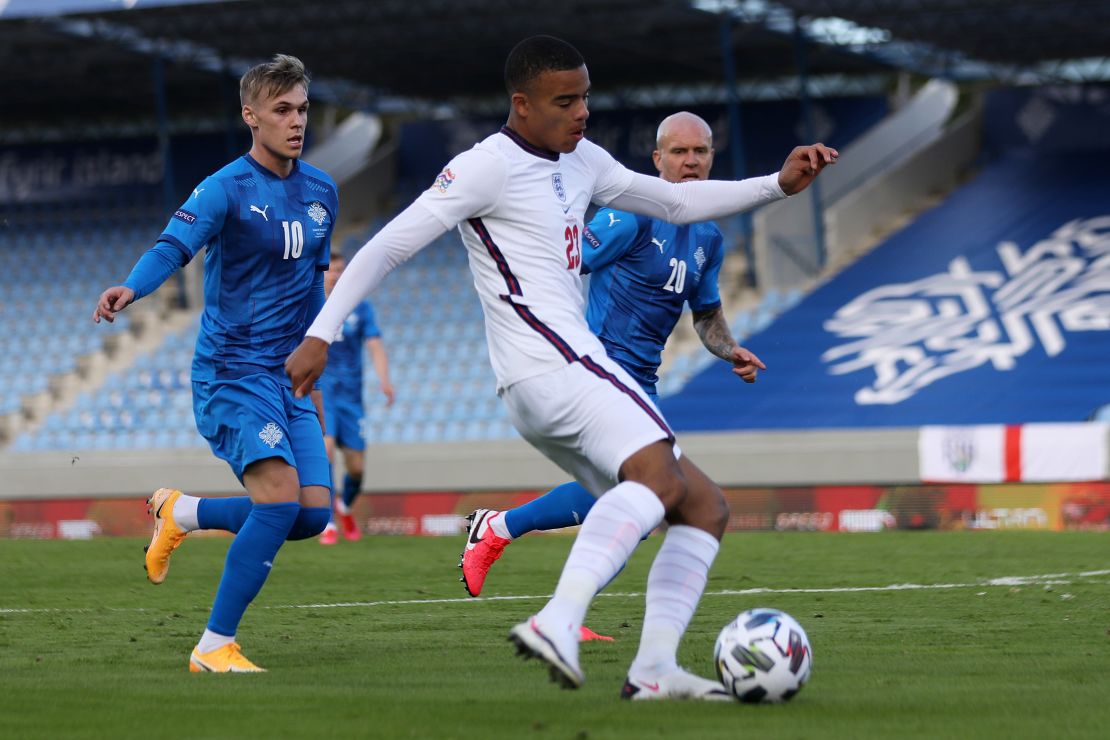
(266, 220)
(643, 270)
(341, 384)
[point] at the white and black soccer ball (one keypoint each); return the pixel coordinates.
(763, 656)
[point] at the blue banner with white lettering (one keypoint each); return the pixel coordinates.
(112, 168)
(991, 308)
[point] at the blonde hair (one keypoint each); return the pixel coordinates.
(272, 78)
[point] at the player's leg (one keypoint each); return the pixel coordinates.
(313, 468)
(597, 424)
(488, 531)
(249, 423)
(189, 513)
(352, 487)
(330, 535)
(562, 506)
(675, 585)
(273, 486)
(309, 450)
(176, 514)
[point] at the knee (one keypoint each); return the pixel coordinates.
(354, 465)
(310, 522)
(704, 507)
(719, 516)
(671, 489)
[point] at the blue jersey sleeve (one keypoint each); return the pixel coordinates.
(608, 237)
(198, 219)
(316, 299)
(325, 252)
(152, 269)
(368, 321)
(708, 296)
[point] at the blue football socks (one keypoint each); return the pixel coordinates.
(227, 514)
(249, 560)
(563, 506)
(351, 488)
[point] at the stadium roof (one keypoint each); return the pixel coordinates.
(90, 60)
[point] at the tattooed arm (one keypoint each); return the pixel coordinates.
(715, 335)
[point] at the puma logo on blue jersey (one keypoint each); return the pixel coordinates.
(613, 220)
(256, 209)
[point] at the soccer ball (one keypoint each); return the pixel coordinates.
(763, 656)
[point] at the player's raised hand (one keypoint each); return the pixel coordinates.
(111, 302)
(746, 365)
(803, 165)
(306, 365)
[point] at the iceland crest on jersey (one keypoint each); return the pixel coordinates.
(557, 184)
(699, 258)
(271, 434)
(318, 213)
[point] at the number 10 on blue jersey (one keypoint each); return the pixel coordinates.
(294, 238)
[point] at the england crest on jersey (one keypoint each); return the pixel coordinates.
(557, 184)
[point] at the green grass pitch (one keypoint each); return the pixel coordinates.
(89, 649)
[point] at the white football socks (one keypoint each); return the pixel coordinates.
(210, 641)
(498, 525)
(609, 534)
(185, 512)
(675, 585)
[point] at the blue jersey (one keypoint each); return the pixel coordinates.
(268, 238)
(642, 272)
(344, 366)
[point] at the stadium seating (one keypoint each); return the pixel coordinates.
(52, 267)
(437, 352)
(435, 341)
(990, 308)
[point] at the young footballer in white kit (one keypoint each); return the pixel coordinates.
(519, 198)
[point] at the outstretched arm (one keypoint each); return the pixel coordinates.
(152, 269)
(691, 202)
(198, 219)
(714, 333)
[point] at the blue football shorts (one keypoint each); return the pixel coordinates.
(255, 418)
(343, 414)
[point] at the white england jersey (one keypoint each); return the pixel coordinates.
(521, 214)
(520, 211)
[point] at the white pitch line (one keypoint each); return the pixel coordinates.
(1047, 579)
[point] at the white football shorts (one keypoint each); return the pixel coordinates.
(587, 417)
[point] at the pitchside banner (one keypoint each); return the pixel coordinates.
(1063, 506)
(1029, 452)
